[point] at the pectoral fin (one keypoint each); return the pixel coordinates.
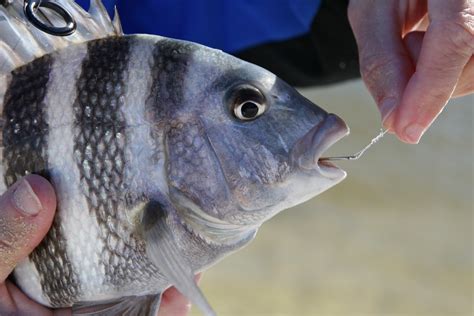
(163, 251)
(130, 306)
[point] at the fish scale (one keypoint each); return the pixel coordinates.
(62, 289)
(170, 60)
(29, 156)
(104, 128)
(23, 115)
(157, 174)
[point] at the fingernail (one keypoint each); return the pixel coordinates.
(414, 132)
(387, 107)
(25, 199)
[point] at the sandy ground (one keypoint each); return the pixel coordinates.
(395, 238)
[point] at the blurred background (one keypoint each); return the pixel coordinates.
(394, 238)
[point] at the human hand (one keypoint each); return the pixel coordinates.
(26, 213)
(173, 303)
(413, 74)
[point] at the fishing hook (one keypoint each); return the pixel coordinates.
(360, 153)
(32, 7)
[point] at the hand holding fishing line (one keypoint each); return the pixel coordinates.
(412, 74)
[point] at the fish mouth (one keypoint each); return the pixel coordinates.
(307, 151)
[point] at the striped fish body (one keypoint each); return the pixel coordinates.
(92, 119)
(80, 117)
(165, 156)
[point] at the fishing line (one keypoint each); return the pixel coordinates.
(359, 153)
(38, 8)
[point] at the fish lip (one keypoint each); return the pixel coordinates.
(308, 149)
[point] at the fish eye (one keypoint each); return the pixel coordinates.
(248, 110)
(247, 103)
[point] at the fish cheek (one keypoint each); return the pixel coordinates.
(194, 170)
(252, 164)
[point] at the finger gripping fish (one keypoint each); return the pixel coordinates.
(165, 156)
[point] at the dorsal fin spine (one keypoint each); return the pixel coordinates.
(24, 42)
(117, 23)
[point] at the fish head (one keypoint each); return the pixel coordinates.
(249, 143)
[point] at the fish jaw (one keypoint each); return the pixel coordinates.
(309, 176)
(308, 149)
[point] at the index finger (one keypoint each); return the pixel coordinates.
(447, 47)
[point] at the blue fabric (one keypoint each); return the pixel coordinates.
(230, 25)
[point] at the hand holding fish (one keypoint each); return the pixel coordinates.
(26, 213)
(412, 74)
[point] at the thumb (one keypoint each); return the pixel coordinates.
(26, 213)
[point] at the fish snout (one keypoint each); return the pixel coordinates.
(308, 149)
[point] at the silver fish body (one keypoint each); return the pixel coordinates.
(165, 156)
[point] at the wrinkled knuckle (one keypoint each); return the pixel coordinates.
(7, 239)
(7, 253)
(377, 71)
(438, 94)
(469, 88)
(373, 66)
(460, 34)
(14, 236)
(466, 19)
(466, 87)
(463, 40)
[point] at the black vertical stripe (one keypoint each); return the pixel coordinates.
(171, 60)
(25, 123)
(25, 151)
(100, 140)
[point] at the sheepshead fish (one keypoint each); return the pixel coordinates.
(165, 155)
